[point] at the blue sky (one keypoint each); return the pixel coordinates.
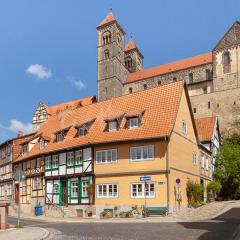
(48, 48)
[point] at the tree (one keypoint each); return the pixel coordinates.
(228, 166)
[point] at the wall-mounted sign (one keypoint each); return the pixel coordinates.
(145, 178)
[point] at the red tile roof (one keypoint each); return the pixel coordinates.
(130, 45)
(171, 67)
(108, 19)
(53, 110)
(158, 105)
(205, 128)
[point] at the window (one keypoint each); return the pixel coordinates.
(55, 188)
(107, 190)
(159, 83)
(184, 128)
(9, 189)
(42, 144)
(55, 161)
(203, 160)
(130, 90)
(24, 148)
(3, 152)
(206, 163)
(205, 90)
(145, 86)
(174, 79)
(128, 62)
(84, 188)
(106, 54)
(70, 158)
(142, 153)
(82, 131)
(138, 190)
(133, 122)
(33, 163)
(209, 105)
(74, 189)
(208, 74)
(24, 187)
(194, 159)
(79, 157)
(106, 156)
(59, 137)
(190, 78)
(113, 126)
(194, 110)
(37, 183)
(8, 150)
(48, 163)
(226, 62)
(107, 37)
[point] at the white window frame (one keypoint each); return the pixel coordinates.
(82, 131)
(70, 158)
(85, 184)
(37, 183)
(112, 126)
(75, 193)
(105, 154)
(55, 161)
(48, 162)
(206, 162)
(134, 123)
(142, 148)
(42, 144)
(78, 155)
(203, 160)
(59, 137)
(143, 190)
(108, 195)
(194, 158)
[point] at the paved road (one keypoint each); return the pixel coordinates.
(220, 228)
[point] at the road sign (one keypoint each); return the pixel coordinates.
(19, 175)
(178, 181)
(145, 178)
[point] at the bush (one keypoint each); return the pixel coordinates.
(214, 186)
(194, 194)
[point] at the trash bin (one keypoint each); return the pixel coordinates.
(38, 210)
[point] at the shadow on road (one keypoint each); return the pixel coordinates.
(219, 228)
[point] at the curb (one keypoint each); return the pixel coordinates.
(44, 236)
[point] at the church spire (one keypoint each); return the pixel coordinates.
(107, 20)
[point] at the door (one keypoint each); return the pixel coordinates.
(64, 193)
(17, 193)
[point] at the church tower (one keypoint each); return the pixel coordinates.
(112, 73)
(133, 57)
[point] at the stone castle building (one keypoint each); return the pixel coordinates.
(212, 78)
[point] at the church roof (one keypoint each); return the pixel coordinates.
(195, 61)
(108, 19)
(158, 106)
(205, 128)
(130, 45)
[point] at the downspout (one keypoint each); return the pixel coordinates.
(237, 67)
(168, 171)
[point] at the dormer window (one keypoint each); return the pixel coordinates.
(59, 137)
(133, 122)
(42, 144)
(112, 126)
(24, 148)
(82, 131)
(83, 128)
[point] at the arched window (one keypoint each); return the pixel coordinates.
(130, 90)
(106, 54)
(107, 37)
(226, 62)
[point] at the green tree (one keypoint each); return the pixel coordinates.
(228, 166)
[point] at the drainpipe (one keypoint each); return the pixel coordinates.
(168, 171)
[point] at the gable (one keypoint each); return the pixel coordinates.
(231, 37)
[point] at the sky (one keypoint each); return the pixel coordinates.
(48, 50)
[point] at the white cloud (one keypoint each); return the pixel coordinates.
(39, 71)
(79, 84)
(16, 126)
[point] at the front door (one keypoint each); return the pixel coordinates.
(64, 193)
(17, 193)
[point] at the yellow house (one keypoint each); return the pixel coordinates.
(168, 153)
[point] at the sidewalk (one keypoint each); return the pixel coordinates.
(26, 233)
(208, 211)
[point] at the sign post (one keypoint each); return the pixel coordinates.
(19, 176)
(145, 179)
(178, 193)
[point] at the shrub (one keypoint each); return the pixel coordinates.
(214, 186)
(194, 194)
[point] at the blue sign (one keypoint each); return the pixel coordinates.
(145, 178)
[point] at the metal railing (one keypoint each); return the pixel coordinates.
(58, 207)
